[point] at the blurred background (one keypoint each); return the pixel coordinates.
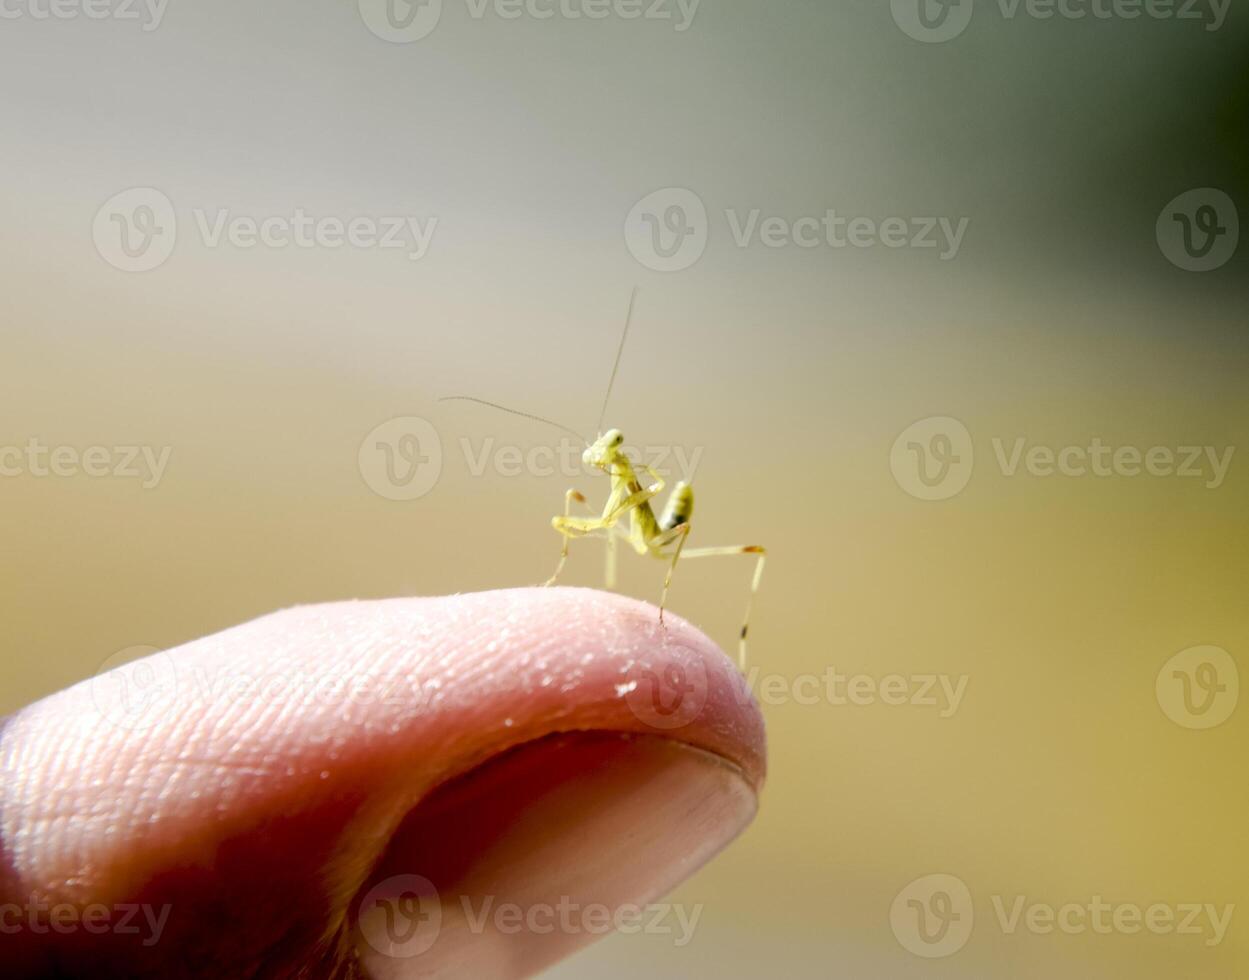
(999, 634)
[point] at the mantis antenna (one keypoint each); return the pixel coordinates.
(616, 364)
(624, 336)
(513, 411)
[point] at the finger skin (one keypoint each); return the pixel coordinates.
(253, 796)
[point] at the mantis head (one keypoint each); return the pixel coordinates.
(604, 450)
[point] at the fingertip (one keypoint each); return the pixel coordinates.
(231, 794)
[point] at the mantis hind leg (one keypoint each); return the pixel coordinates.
(750, 549)
(609, 566)
(678, 534)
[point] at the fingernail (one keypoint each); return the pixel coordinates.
(545, 849)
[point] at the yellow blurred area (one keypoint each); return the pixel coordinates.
(1053, 603)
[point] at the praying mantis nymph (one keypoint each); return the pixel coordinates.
(660, 537)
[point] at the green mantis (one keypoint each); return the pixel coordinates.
(628, 515)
